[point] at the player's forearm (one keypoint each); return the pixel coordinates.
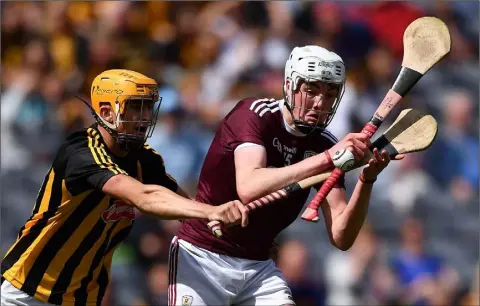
(165, 204)
(262, 181)
(347, 225)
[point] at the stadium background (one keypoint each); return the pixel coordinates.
(208, 55)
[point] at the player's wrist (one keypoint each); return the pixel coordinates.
(330, 163)
(366, 180)
(321, 162)
(208, 211)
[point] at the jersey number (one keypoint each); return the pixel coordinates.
(287, 157)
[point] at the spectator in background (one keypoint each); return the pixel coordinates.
(424, 278)
(473, 296)
(389, 19)
(360, 277)
(29, 109)
(455, 149)
(157, 278)
(340, 34)
(182, 143)
(176, 152)
(377, 79)
(293, 261)
(409, 183)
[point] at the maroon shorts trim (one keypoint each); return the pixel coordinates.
(172, 272)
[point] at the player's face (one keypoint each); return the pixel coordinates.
(314, 100)
(137, 117)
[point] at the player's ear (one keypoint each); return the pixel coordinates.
(288, 86)
(107, 113)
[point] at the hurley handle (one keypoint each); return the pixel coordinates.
(311, 212)
(216, 226)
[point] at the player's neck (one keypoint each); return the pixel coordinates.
(111, 143)
(288, 121)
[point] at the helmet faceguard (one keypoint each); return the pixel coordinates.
(133, 100)
(137, 116)
(311, 64)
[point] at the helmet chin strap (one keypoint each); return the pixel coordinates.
(304, 128)
(129, 142)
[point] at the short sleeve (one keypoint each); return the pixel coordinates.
(153, 170)
(243, 125)
(89, 166)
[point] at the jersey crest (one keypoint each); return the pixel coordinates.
(119, 210)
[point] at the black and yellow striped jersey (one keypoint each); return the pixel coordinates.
(64, 251)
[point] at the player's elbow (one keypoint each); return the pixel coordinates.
(125, 188)
(148, 196)
(245, 193)
(145, 198)
(343, 246)
(341, 241)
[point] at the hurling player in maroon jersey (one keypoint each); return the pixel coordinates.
(261, 146)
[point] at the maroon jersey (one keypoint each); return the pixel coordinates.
(258, 121)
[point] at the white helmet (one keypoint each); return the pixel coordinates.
(314, 63)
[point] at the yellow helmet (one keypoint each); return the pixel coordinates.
(118, 87)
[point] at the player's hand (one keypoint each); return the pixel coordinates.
(230, 213)
(376, 164)
(357, 143)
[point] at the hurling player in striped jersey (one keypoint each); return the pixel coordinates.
(85, 206)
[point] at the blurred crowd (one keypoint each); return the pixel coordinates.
(420, 244)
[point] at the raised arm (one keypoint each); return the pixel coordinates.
(254, 180)
(344, 221)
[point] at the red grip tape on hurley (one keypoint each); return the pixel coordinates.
(263, 201)
(369, 129)
(325, 189)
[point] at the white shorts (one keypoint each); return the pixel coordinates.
(200, 277)
(11, 296)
